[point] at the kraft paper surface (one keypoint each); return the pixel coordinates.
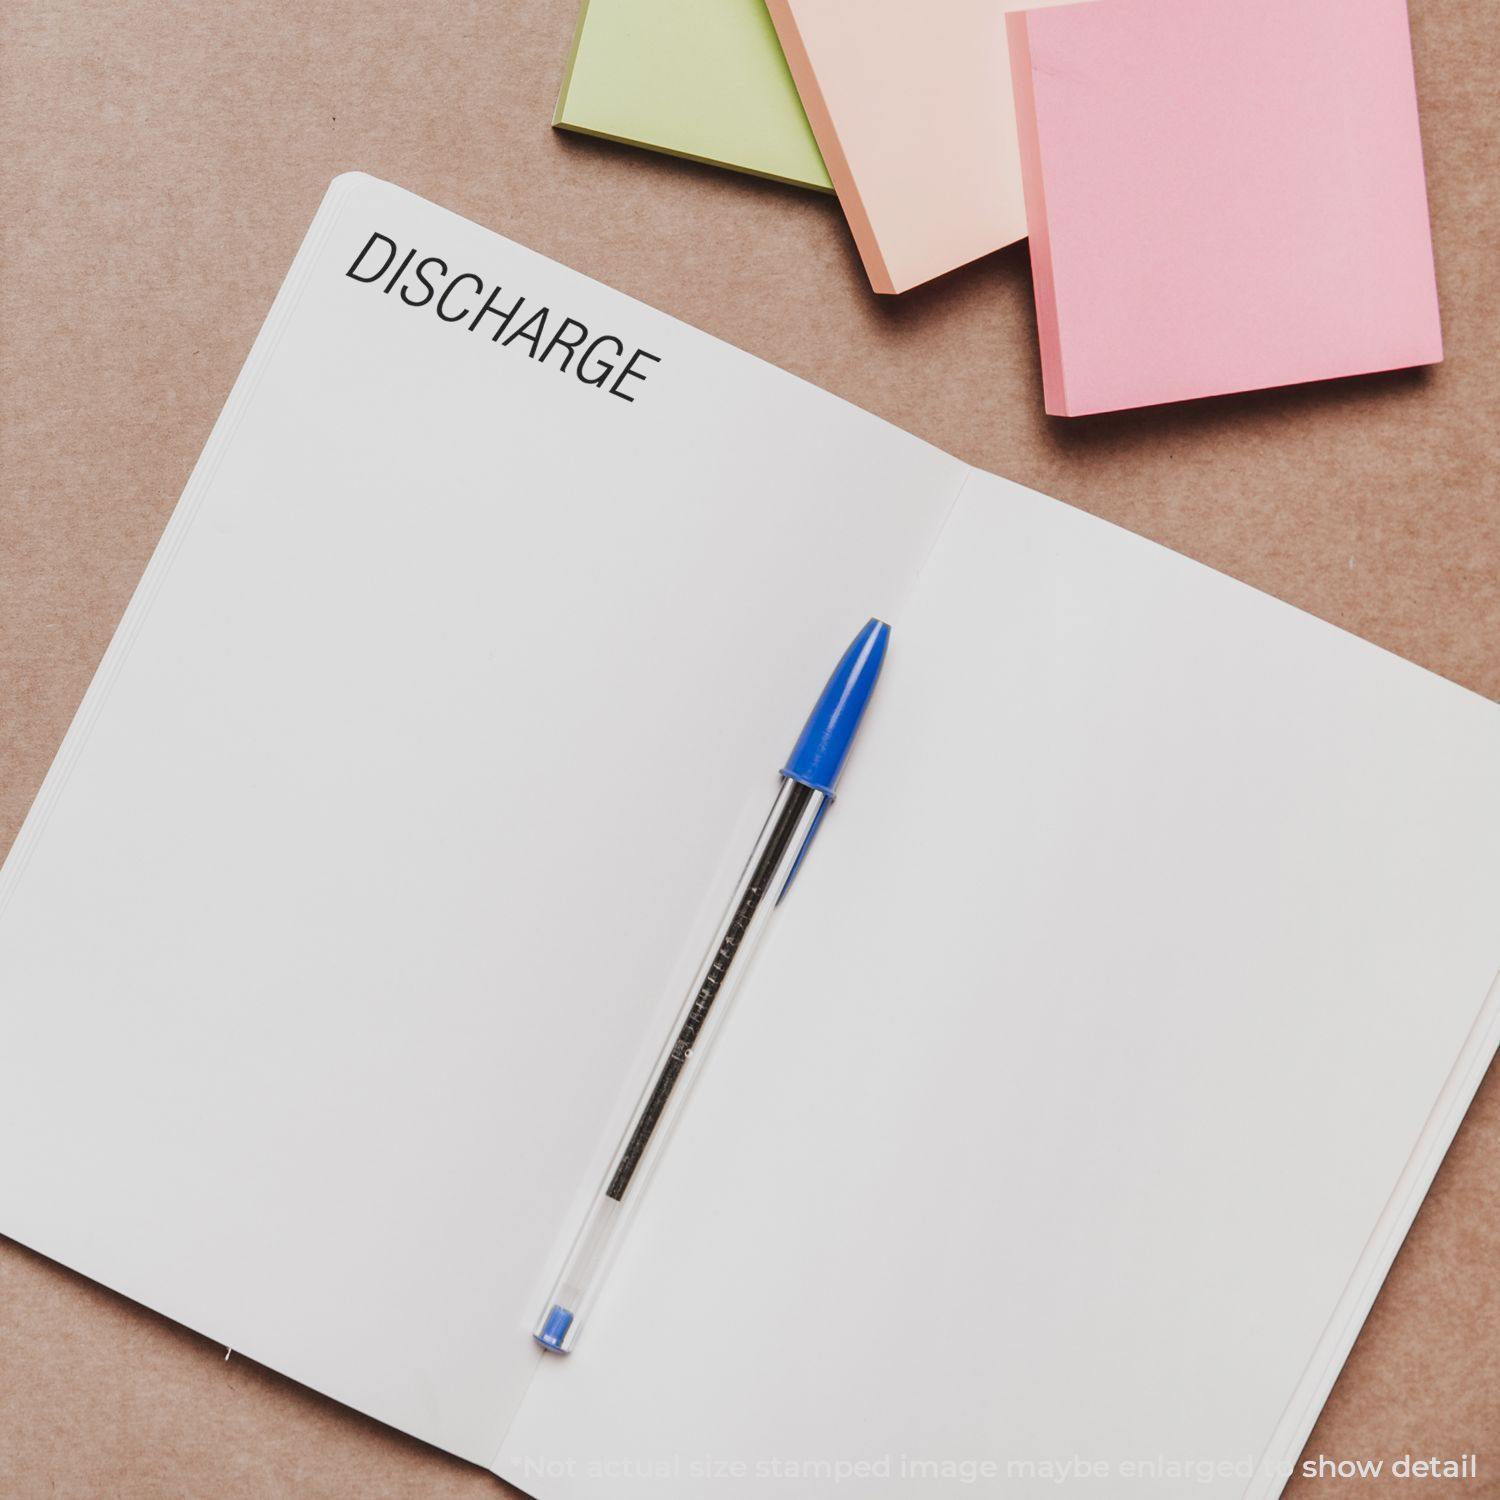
(162, 162)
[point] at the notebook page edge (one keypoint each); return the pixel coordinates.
(1369, 1274)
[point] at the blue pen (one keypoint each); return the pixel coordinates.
(807, 783)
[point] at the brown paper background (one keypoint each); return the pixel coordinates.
(161, 159)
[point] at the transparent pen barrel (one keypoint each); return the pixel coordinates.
(761, 884)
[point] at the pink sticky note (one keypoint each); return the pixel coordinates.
(1222, 195)
(912, 109)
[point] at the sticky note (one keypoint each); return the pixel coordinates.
(704, 79)
(1222, 195)
(911, 104)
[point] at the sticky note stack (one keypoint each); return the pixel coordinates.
(1221, 195)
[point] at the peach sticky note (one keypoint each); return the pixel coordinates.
(1222, 195)
(911, 105)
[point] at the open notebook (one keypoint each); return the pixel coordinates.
(1076, 1104)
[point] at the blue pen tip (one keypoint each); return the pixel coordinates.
(555, 1329)
(822, 748)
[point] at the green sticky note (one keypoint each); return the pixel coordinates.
(704, 79)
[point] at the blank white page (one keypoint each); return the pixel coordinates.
(1101, 1056)
(383, 840)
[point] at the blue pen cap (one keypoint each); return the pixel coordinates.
(823, 746)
